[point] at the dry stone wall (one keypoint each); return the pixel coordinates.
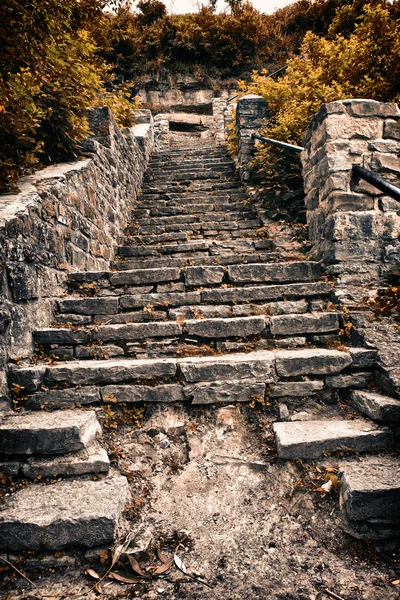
(65, 218)
(354, 228)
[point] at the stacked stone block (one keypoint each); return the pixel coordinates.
(354, 228)
(250, 113)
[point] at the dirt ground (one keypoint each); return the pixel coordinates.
(207, 486)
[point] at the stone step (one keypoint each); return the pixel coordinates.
(45, 381)
(92, 459)
(294, 324)
(370, 490)
(376, 406)
(80, 512)
(47, 433)
(177, 260)
(274, 272)
(315, 439)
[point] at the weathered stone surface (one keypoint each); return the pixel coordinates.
(136, 331)
(256, 366)
(63, 398)
(61, 336)
(371, 489)
(159, 299)
(67, 513)
(143, 393)
(41, 433)
(191, 312)
(376, 406)
(224, 328)
(92, 459)
(203, 275)
(353, 380)
(252, 273)
(290, 363)
(296, 388)
(87, 373)
(89, 306)
(225, 391)
(362, 358)
(266, 292)
(141, 276)
(306, 323)
(29, 379)
(312, 439)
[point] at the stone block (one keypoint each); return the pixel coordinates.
(203, 275)
(391, 129)
(92, 459)
(89, 306)
(225, 328)
(296, 388)
(63, 398)
(143, 393)
(372, 108)
(143, 276)
(136, 331)
(377, 406)
(258, 366)
(305, 323)
(254, 273)
(371, 489)
(265, 292)
(313, 439)
(66, 513)
(225, 391)
(159, 299)
(349, 380)
(362, 358)
(318, 361)
(28, 379)
(41, 433)
(62, 336)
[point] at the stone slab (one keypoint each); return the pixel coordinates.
(313, 439)
(291, 363)
(63, 398)
(159, 299)
(88, 306)
(225, 328)
(296, 388)
(377, 406)
(363, 358)
(40, 433)
(225, 391)
(136, 331)
(371, 489)
(349, 380)
(61, 336)
(294, 324)
(141, 276)
(295, 271)
(203, 275)
(143, 393)
(92, 459)
(258, 366)
(67, 513)
(265, 292)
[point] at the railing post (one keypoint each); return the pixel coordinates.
(250, 113)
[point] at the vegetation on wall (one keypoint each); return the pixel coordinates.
(359, 57)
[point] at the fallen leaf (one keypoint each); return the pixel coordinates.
(163, 568)
(162, 557)
(396, 582)
(123, 578)
(180, 564)
(135, 566)
(92, 573)
(98, 589)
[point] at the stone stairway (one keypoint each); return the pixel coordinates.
(198, 307)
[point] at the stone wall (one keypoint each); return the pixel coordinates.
(65, 218)
(251, 111)
(161, 132)
(354, 228)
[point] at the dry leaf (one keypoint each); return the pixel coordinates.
(163, 568)
(180, 564)
(396, 582)
(162, 557)
(98, 589)
(334, 479)
(123, 578)
(135, 566)
(92, 573)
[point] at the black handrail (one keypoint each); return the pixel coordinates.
(255, 136)
(377, 181)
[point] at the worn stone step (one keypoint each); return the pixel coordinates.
(370, 489)
(314, 439)
(377, 406)
(47, 433)
(274, 272)
(68, 513)
(293, 324)
(199, 259)
(91, 459)
(264, 293)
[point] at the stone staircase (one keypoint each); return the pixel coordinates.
(198, 307)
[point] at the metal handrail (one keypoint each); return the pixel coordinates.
(255, 136)
(377, 181)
